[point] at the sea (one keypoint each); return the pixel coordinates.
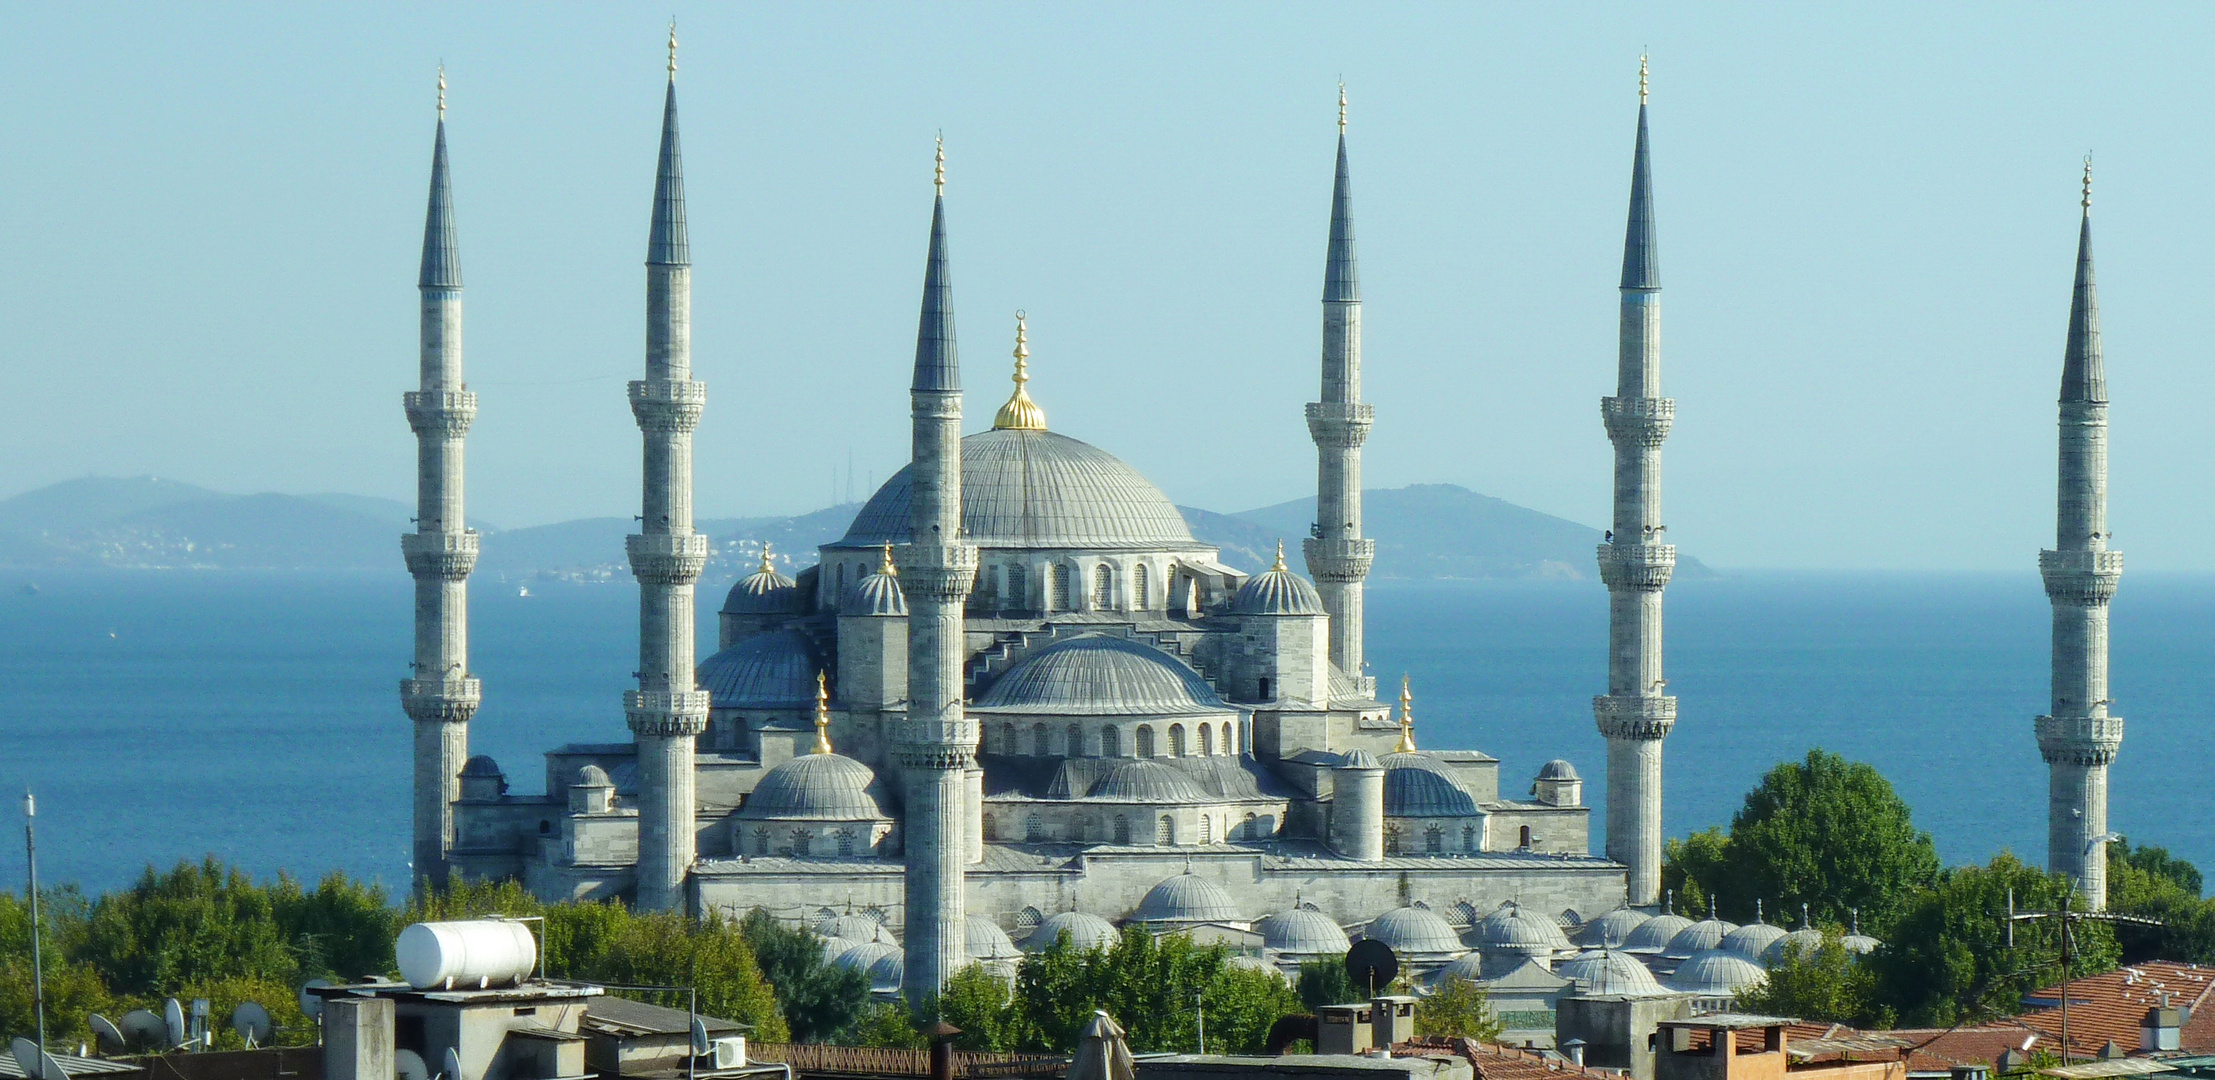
(169, 715)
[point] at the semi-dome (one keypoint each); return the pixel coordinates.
(592, 776)
(1085, 931)
(1186, 898)
(482, 767)
(1804, 940)
(1716, 972)
(817, 787)
(986, 941)
(886, 973)
(763, 592)
(855, 928)
(1277, 591)
(775, 670)
(1751, 940)
(1418, 785)
(1036, 489)
(1149, 782)
(1511, 927)
(1099, 675)
(878, 595)
(1612, 930)
(1558, 769)
(1414, 931)
(1698, 937)
(1655, 934)
(1303, 932)
(1609, 971)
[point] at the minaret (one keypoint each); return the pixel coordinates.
(1634, 715)
(668, 710)
(1337, 557)
(937, 745)
(2079, 739)
(442, 695)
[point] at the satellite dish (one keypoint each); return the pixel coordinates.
(173, 1023)
(408, 1065)
(453, 1065)
(251, 1021)
(37, 1064)
(107, 1036)
(142, 1030)
(53, 1068)
(700, 1045)
(311, 1006)
(1371, 965)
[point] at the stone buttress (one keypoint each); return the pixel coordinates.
(1337, 556)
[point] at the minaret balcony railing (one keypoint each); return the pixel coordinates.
(2079, 740)
(945, 573)
(445, 414)
(448, 556)
(666, 713)
(668, 405)
(2083, 578)
(1340, 424)
(667, 558)
(1642, 421)
(1643, 567)
(1634, 716)
(447, 701)
(1343, 561)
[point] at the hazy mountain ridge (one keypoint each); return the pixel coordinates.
(1425, 531)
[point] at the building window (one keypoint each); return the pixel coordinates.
(846, 841)
(1039, 747)
(1063, 597)
(1028, 919)
(991, 828)
(1391, 840)
(1018, 580)
(1139, 597)
(1007, 740)
(1144, 741)
(1165, 831)
(1264, 694)
(1034, 830)
(1176, 740)
(1207, 829)
(761, 840)
(1110, 744)
(1230, 740)
(1075, 746)
(1207, 741)
(1122, 830)
(1103, 587)
(1525, 843)
(802, 842)
(1251, 828)
(1434, 840)
(841, 594)
(1081, 830)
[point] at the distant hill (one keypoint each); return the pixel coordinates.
(591, 549)
(149, 522)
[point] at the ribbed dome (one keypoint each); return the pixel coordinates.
(1470, 966)
(1098, 675)
(1036, 489)
(1750, 940)
(1656, 933)
(1085, 932)
(775, 670)
(886, 973)
(1511, 927)
(878, 594)
(833, 946)
(1186, 898)
(1418, 785)
(1612, 930)
(818, 787)
(1859, 944)
(855, 928)
(1149, 782)
(987, 941)
(1254, 963)
(1806, 939)
(764, 592)
(1609, 971)
(861, 956)
(1698, 937)
(1357, 758)
(1557, 769)
(1414, 931)
(1303, 933)
(592, 776)
(1277, 592)
(1716, 972)
(481, 766)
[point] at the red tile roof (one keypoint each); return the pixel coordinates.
(2109, 1006)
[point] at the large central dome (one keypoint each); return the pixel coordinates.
(1037, 489)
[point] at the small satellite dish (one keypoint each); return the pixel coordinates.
(700, 1044)
(27, 1057)
(311, 1006)
(107, 1036)
(1371, 965)
(173, 1023)
(54, 1070)
(453, 1065)
(251, 1021)
(408, 1065)
(142, 1030)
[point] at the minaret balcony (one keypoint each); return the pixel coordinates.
(1642, 421)
(1341, 561)
(1341, 424)
(1629, 716)
(2084, 578)
(444, 414)
(1641, 567)
(667, 558)
(2079, 740)
(668, 405)
(666, 713)
(933, 744)
(446, 701)
(945, 573)
(448, 556)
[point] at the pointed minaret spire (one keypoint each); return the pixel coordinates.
(1341, 274)
(667, 244)
(1338, 557)
(441, 250)
(937, 361)
(2083, 375)
(1641, 252)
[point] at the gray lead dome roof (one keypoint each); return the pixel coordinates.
(820, 787)
(1419, 785)
(1277, 592)
(1303, 932)
(775, 670)
(1149, 782)
(1036, 489)
(764, 592)
(1186, 898)
(1097, 675)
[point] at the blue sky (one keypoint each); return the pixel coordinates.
(1867, 219)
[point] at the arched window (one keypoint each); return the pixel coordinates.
(1165, 831)
(1176, 740)
(1019, 579)
(1081, 830)
(1207, 741)
(841, 594)
(1207, 829)
(1039, 747)
(1526, 839)
(1007, 740)
(1064, 595)
(1391, 840)
(1251, 828)
(761, 840)
(1110, 744)
(1139, 597)
(1075, 746)
(991, 828)
(1034, 830)
(802, 842)
(1434, 840)
(1230, 740)
(1103, 587)
(846, 841)
(1263, 694)
(1122, 830)
(1469, 838)
(1144, 740)
(1028, 919)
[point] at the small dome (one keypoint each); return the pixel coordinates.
(1419, 785)
(1612, 930)
(819, 787)
(481, 766)
(1511, 927)
(1357, 758)
(855, 928)
(1277, 591)
(1414, 931)
(832, 946)
(878, 594)
(862, 956)
(592, 776)
(1098, 675)
(1806, 940)
(886, 973)
(1303, 933)
(1698, 937)
(1253, 963)
(1716, 972)
(1859, 944)
(987, 941)
(1186, 898)
(1655, 934)
(1608, 971)
(1085, 932)
(775, 670)
(1149, 782)
(1468, 966)
(1751, 940)
(764, 592)
(1557, 769)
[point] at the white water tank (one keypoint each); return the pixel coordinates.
(470, 955)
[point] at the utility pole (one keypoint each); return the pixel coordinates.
(2067, 920)
(38, 967)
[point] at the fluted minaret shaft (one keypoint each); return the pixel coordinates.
(668, 710)
(1338, 557)
(442, 695)
(2078, 738)
(1635, 564)
(936, 745)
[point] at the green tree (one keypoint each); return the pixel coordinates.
(1153, 986)
(2148, 881)
(73, 988)
(889, 1024)
(198, 923)
(2157, 862)
(1690, 864)
(1946, 959)
(981, 1004)
(1323, 981)
(1457, 1008)
(1242, 1003)
(342, 929)
(820, 1000)
(1824, 983)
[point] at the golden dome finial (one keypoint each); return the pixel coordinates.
(442, 91)
(1021, 413)
(1407, 719)
(1341, 106)
(2088, 181)
(1280, 567)
(672, 48)
(888, 567)
(938, 178)
(1641, 78)
(822, 714)
(767, 567)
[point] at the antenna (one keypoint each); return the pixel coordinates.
(251, 1021)
(2067, 919)
(38, 968)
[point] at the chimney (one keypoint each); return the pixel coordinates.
(1574, 1048)
(357, 1038)
(2163, 1027)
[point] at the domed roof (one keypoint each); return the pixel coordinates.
(861, 956)
(987, 941)
(1358, 758)
(1414, 931)
(1655, 934)
(1277, 591)
(775, 670)
(1558, 769)
(1511, 927)
(1036, 489)
(832, 946)
(1150, 782)
(592, 776)
(1254, 963)
(482, 766)
(1085, 931)
(1698, 937)
(1609, 971)
(1714, 971)
(1418, 785)
(1750, 940)
(1612, 930)
(1468, 966)
(855, 928)
(1098, 675)
(1302, 932)
(764, 592)
(886, 972)
(818, 787)
(1806, 940)
(1186, 898)
(1859, 944)
(878, 594)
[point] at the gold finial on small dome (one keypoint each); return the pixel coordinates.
(887, 567)
(938, 178)
(767, 567)
(2088, 181)
(1641, 78)
(1341, 106)
(822, 714)
(1021, 413)
(1280, 567)
(672, 48)
(442, 91)
(1407, 719)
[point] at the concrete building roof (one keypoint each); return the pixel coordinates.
(622, 1016)
(1085, 931)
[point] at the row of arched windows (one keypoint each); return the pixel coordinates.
(803, 841)
(1436, 839)
(1122, 827)
(1042, 740)
(1007, 586)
